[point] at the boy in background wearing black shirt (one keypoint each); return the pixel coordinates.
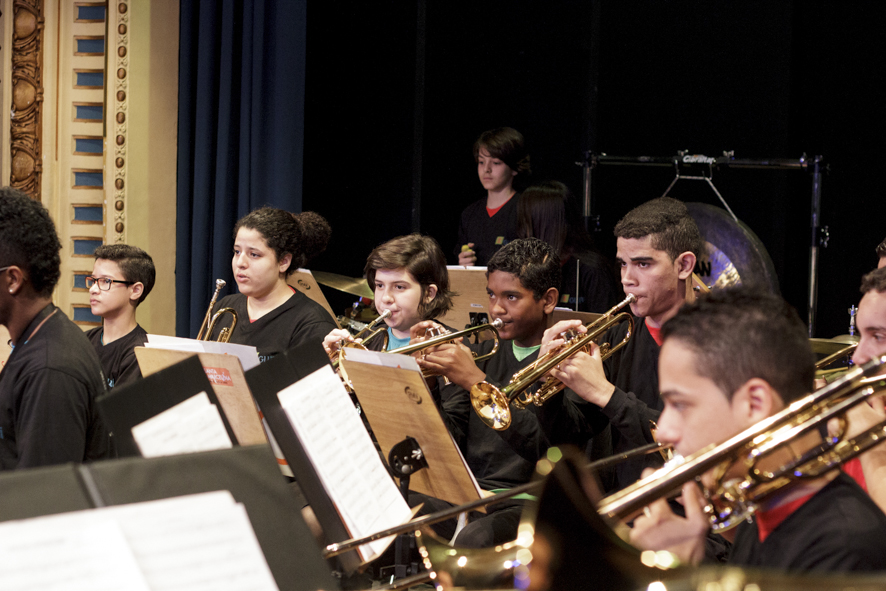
(122, 277)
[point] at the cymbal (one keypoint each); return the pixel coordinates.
(825, 347)
(353, 285)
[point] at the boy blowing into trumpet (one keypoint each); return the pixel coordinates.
(728, 361)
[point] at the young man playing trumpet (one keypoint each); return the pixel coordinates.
(658, 244)
(521, 284)
(728, 361)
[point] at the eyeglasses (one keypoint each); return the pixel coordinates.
(6, 267)
(104, 284)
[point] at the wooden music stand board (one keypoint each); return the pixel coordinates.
(398, 405)
(471, 306)
(304, 281)
(228, 382)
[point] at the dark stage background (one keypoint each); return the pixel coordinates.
(397, 92)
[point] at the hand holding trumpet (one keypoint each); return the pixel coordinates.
(453, 360)
(582, 373)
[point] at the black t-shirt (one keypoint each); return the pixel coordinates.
(298, 320)
(48, 389)
(839, 529)
(118, 358)
(487, 233)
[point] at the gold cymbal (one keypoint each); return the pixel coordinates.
(353, 285)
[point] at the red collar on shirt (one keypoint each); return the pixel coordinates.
(654, 332)
(767, 521)
(492, 212)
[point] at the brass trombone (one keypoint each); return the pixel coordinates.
(492, 404)
(209, 323)
(752, 453)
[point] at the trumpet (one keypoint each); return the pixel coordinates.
(441, 338)
(492, 404)
(209, 323)
(368, 332)
(757, 451)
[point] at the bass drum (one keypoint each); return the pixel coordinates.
(734, 255)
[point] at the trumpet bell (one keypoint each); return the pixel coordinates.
(491, 405)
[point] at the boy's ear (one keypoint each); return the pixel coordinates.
(135, 291)
(430, 293)
(550, 299)
(755, 400)
(685, 265)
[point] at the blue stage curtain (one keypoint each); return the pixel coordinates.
(240, 133)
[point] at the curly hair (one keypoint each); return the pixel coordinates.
(534, 262)
(669, 224)
(135, 264)
(742, 333)
(422, 258)
(506, 144)
(28, 240)
(303, 235)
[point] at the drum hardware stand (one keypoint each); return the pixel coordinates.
(853, 310)
(405, 458)
(704, 177)
(815, 165)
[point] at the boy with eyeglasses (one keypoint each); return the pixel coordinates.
(122, 277)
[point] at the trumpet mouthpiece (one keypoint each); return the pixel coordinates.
(220, 283)
(497, 323)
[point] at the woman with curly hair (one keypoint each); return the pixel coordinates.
(269, 245)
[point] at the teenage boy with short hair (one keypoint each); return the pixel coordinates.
(658, 244)
(122, 277)
(521, 284)
(728, 361)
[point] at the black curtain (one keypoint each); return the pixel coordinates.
(240, 133)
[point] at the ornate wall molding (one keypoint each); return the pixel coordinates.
(121, 112)
(27, 96)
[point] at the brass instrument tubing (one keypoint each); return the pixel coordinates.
(416, 524)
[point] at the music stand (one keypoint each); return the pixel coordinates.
(304, 282)
(226, 376)
(471, 306)
(127, 406)
(398, 405)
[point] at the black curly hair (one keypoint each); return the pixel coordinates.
(303, 235)
(28, 240)
(534, 262)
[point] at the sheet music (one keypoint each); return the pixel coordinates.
(332, 433)
(248, 355)
(190, 426)
(194, 543)
(379, 358)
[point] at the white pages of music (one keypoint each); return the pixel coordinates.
(331, 432)
(248, 355)
(190, 426)
(201, 542)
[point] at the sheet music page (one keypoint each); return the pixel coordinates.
(198, 542)
(247, 354)
(379, 358)
(332, 433)
(190, 426)
(40, 555)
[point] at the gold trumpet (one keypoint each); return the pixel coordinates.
(750, 467)
(441, 338)
(492, 404)
(366, 333)
(209, 323)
